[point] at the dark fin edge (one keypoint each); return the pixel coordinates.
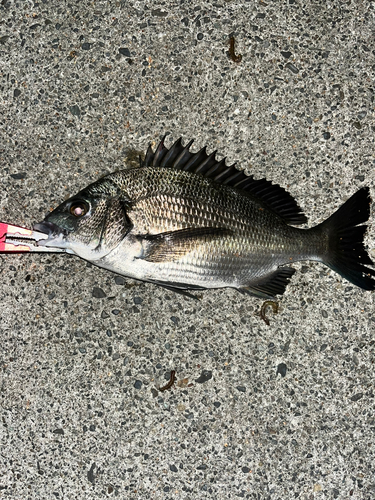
(271, 195)
(270, 286)
(347, 254)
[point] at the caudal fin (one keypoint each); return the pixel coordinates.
(347, 254)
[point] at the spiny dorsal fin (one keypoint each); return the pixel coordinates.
(179, 157)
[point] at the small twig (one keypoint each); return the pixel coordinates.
(268, 303)
(235, 58)
(170, 383)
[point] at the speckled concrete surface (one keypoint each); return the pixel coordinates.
(83, 84)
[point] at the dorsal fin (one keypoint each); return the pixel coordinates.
(179, 157)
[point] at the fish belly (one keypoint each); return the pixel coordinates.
(236, 261)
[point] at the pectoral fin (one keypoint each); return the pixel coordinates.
(170, 246)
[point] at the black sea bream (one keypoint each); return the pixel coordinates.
(187, 221)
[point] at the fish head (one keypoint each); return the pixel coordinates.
(90, 224)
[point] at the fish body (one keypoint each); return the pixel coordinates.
(187, 221)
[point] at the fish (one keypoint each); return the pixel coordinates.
(187, 221)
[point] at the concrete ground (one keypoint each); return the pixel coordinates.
(276, 412)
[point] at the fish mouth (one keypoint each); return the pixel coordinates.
(48, 228)
(56, 234)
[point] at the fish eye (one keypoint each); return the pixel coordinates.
(79, 208)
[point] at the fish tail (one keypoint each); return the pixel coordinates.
(346, 253)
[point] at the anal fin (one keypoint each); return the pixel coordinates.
(271, 285)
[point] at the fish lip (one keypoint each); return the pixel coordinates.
(56, 235)
(49, 228)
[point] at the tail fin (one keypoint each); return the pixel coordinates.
(347, 254)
